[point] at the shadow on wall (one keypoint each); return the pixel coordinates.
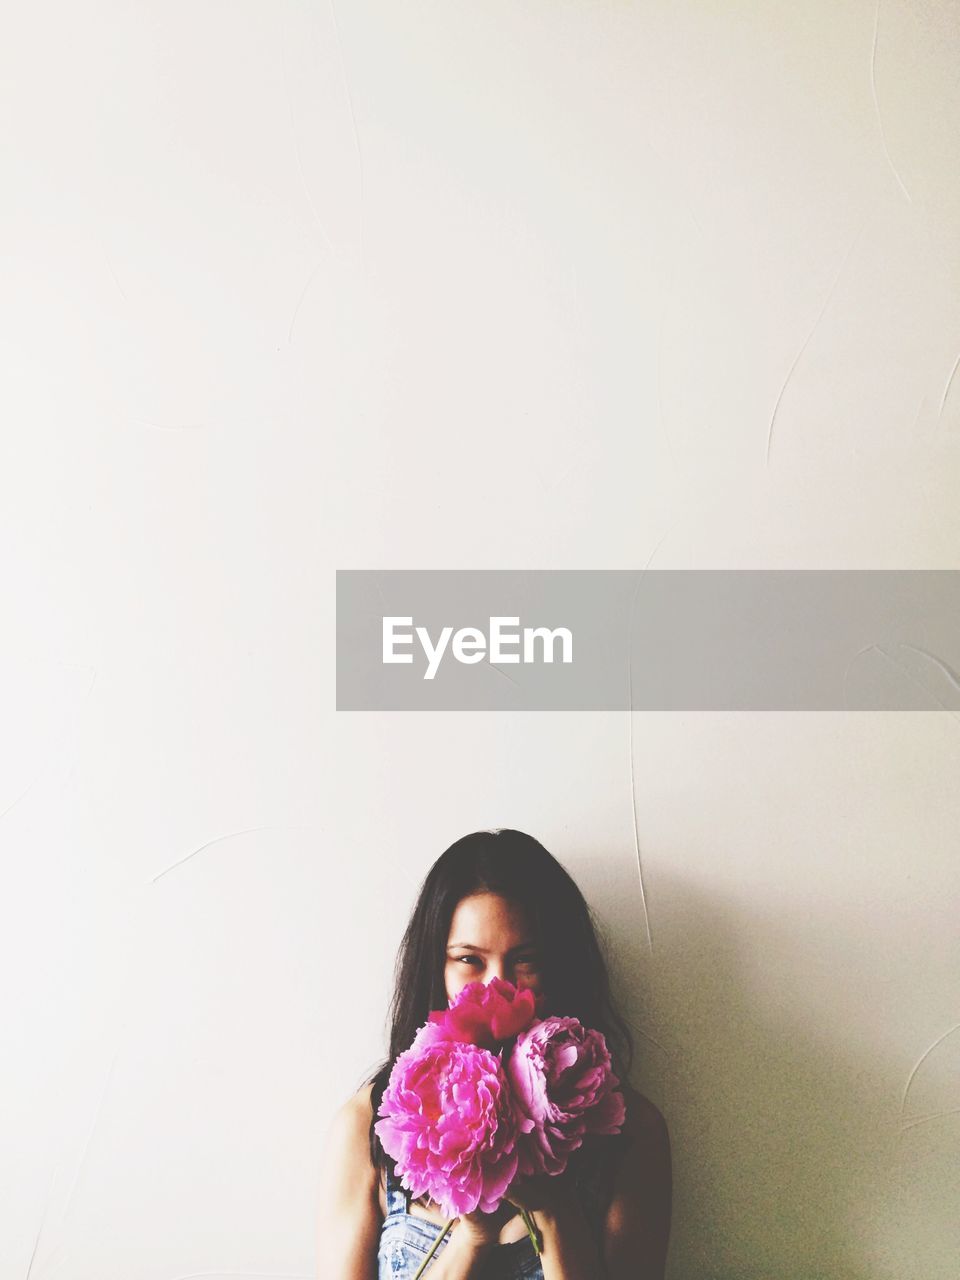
(782, 1087)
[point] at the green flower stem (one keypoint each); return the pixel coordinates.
(535, 1238)
(433, 1249)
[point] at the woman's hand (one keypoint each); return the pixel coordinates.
(552, 1195)
(482, 1229)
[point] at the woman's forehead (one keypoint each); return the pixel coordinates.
(487, 919)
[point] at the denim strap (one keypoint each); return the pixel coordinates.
(398, 1200)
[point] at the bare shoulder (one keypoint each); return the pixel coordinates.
(347, 1155)
(359, 1106)
(349, 1214)
(644, 1119)
(647, 1158)
(637, 1229)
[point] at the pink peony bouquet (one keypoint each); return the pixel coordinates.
(489, 1091)
(451, 1124)
(562, 1076)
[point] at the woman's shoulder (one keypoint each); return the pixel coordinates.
(348, 1194)
(643, 1129)
(350, 1215)
(643, 1117)
(359, 1105)
(349, 1131)
(646, 1163)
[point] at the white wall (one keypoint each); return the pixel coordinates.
(295, 287)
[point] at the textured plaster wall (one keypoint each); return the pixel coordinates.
(292, 287)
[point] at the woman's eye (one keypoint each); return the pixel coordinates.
(526, 963)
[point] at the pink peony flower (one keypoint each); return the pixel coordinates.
(486, 1014)
(561, 1074)
(451, 1123)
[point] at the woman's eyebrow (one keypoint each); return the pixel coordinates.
(455, 946)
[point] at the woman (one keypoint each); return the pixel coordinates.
(497, 904)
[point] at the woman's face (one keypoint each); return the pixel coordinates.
(490, 937)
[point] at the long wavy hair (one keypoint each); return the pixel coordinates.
(573, 970)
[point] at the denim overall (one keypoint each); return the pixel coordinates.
(405, 1239)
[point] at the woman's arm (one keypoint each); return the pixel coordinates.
(637, 1224)
(569, 1248)
(637, 1229)
(348, 1230)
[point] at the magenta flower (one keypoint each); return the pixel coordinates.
(451, 1123)
(562, 1077)
(486, 1014)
